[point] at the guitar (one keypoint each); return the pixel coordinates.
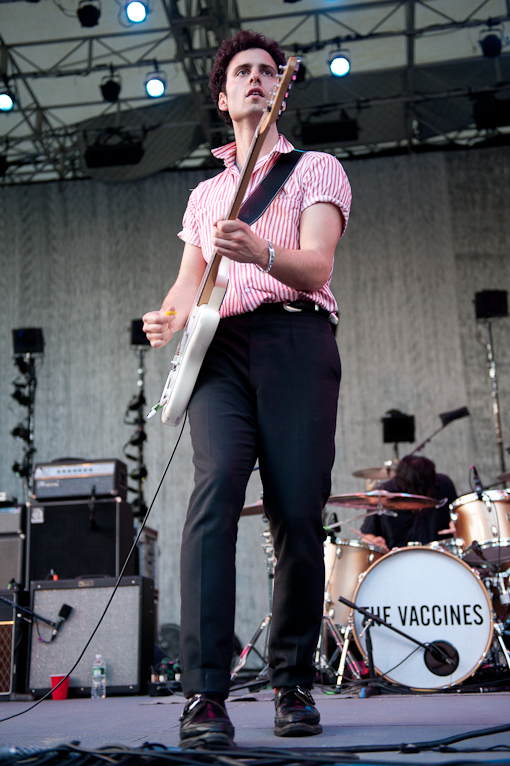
(204, 316)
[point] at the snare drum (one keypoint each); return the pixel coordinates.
(432, 596)
(345, 560)
(488, 522)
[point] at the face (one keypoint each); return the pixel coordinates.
(251, 76)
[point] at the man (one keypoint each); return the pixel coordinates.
(414, 476)
(267, 390)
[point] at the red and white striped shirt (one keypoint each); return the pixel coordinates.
(318, 177)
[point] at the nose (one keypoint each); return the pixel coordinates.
(255, 75)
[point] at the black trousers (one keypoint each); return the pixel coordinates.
(267, 390)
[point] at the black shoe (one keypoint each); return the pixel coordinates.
(205, 723)
(296, 714)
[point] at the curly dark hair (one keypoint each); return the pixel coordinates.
(242, 41)
(416, 475)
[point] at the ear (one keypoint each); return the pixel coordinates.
(222, 102)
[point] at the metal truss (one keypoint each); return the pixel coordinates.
(42, 139)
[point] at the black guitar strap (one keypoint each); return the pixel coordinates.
(261, 197)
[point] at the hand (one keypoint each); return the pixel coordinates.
(376, 540)
(235, 240)
(158, 327)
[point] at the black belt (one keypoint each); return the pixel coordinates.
(296, 307)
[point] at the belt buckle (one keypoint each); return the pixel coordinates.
(291, 309)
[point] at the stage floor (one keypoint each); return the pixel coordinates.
(348, 721)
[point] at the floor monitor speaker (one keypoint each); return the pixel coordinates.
(125, 637)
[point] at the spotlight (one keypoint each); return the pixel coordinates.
(89, 12)
(110, 87)
(7, 99)
(139, 474)
(21, 469)
(21, 432)
(339, 64)
(20, 397)
(136, 11)
(491, 40)
(155, 83)
(137, 438)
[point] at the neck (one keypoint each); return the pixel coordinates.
(244, 136)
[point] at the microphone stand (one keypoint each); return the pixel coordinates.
(29, 612)
(439, 651)
(446, 418)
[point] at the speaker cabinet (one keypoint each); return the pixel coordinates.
(78, 539)
(125, 637)
(13, 644)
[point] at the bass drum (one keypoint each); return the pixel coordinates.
(432, 596)
(345, 561)
(486, 521)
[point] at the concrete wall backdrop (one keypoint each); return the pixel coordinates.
(81, 260)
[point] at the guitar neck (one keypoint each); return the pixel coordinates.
(210, 274)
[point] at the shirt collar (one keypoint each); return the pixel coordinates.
(227, 153)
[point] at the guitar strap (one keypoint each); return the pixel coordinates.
(261, 197)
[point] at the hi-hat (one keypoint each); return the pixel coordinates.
(254, 509)
(380, 498)
(376, 474)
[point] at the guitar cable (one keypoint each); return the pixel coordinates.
(116, 586)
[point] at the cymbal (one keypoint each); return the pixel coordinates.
(392, 501)
(377, 474)
(254, 509)
(504, 476)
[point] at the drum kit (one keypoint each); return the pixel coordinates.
(436, 612)
(424, 616)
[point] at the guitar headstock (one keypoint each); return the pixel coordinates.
(280, 94)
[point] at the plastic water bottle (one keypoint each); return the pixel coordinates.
(98, 683)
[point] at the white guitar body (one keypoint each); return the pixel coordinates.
(186, 363)
(204, 317)
(196, 339)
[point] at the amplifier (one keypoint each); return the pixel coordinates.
(125, 637)
(94, 478)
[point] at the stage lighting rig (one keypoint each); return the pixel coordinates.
(135, 410)
(28, 343)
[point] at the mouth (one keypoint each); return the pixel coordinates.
(255, 92)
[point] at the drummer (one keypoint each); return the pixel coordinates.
(415, 476)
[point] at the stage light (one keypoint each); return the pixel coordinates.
(7, 99)
(137, 438)
(136, 11)
(88, 12)
(111, 86)
(155, 83)
(20, 397)
(339, 64)
(21, 432)
(139, 474)
(22, 469)
(491, 40)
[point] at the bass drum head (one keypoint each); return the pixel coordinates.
(432, 596)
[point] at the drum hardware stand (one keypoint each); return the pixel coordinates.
(342, 649)
(439, 656)
(265, 623)
(446, 418)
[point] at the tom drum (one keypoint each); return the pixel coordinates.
(345, 561)
(486, 521)
(431, 596)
